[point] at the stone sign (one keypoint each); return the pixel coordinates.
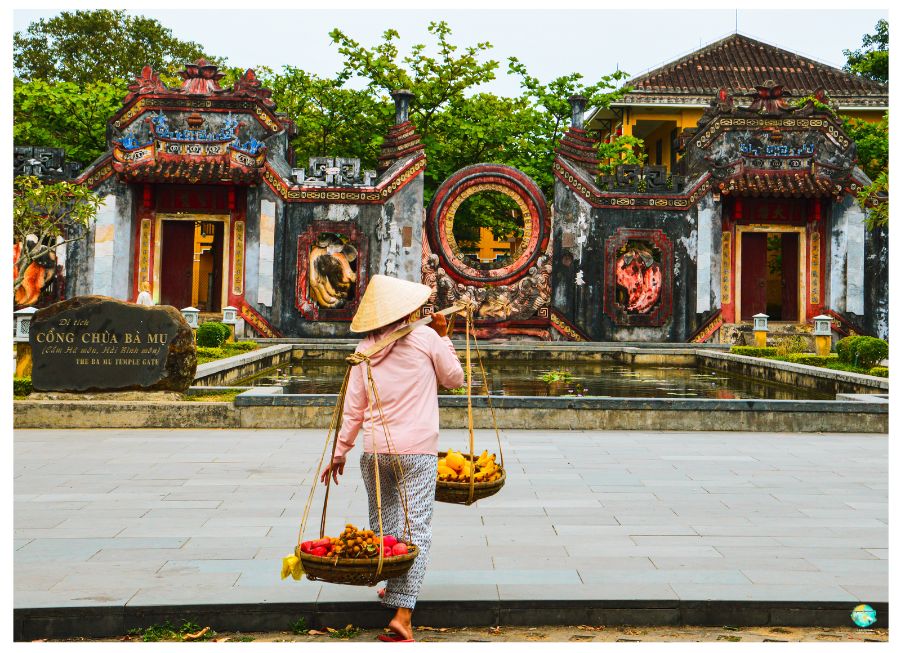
(98, 343)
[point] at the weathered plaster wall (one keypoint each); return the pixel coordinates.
(381, 229)
(101, 262)
(875, 320)
(847, 241)
(403, 209)
(580, 234)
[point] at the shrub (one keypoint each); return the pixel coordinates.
(812, 359)
(207, 354)
(758, 352)
(22, 386)
(878, 370)
(792, 345)
(846, 367)
(244, 345)
(867, 351)
(843, 348)
(212, 334)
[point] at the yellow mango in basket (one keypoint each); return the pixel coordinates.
(455, 460)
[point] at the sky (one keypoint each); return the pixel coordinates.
(549, 42)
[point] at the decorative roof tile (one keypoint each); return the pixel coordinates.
(774, 184)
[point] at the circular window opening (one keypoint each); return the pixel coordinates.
(489, 230)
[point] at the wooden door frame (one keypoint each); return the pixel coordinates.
(193, 217)
(801, 263)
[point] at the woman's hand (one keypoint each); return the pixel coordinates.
(335, 468)
(439, 324)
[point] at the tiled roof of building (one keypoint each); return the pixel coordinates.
(206, 169)
(774, 184)
(740, 63)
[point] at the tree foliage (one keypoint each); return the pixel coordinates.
(871, 60)
(871, 139)
(553, 113)
(46, 216)
(98, 45)
(331, 118)
(872, 144)
(439, 82)
(492, 210)
(66, 115)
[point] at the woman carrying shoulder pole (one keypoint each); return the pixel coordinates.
(407, 374)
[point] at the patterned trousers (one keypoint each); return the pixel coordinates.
(420, 472)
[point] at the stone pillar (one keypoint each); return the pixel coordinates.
(578, 103)
(402, 98)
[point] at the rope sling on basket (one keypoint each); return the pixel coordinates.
(358, 557)
(481, 477)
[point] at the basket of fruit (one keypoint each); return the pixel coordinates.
(459, 481)
(353, 558)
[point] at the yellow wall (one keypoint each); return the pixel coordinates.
(868, 116)
(489, 247)
(202, 265)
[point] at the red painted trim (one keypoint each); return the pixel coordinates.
(635, 202)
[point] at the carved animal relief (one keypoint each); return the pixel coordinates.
(332, 271)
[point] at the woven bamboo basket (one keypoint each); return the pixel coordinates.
(458, 491)
(355, 571)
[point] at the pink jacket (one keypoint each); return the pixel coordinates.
(406, 376)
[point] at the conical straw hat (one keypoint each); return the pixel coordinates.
(386, 300)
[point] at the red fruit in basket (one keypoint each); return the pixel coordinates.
(399, 549)
(389, 541)
(387, 552)
(307, 546)
(319, 551)
(325, 542)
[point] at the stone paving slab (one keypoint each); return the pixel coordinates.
(206, 516)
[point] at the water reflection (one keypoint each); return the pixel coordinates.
(522, 378)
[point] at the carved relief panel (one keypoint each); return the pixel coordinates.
(638, 277)
(331, 270)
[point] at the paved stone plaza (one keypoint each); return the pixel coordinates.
(183, 517)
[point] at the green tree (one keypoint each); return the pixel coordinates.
(331, 118)
(492, 210)
(551, 101)
(872, 153)
(46, 216)
(98, 45)
(871, 60)
(438, 82)
(871, 139)
(66, 115)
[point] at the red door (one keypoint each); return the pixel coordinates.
(754, 270)
(176, 263)
(790, 252)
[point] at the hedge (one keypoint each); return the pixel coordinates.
(878, 370)
(243, 345)
(811, 359)
(22, 386)
(758, 352)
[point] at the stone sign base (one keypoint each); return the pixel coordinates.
(129, 395)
